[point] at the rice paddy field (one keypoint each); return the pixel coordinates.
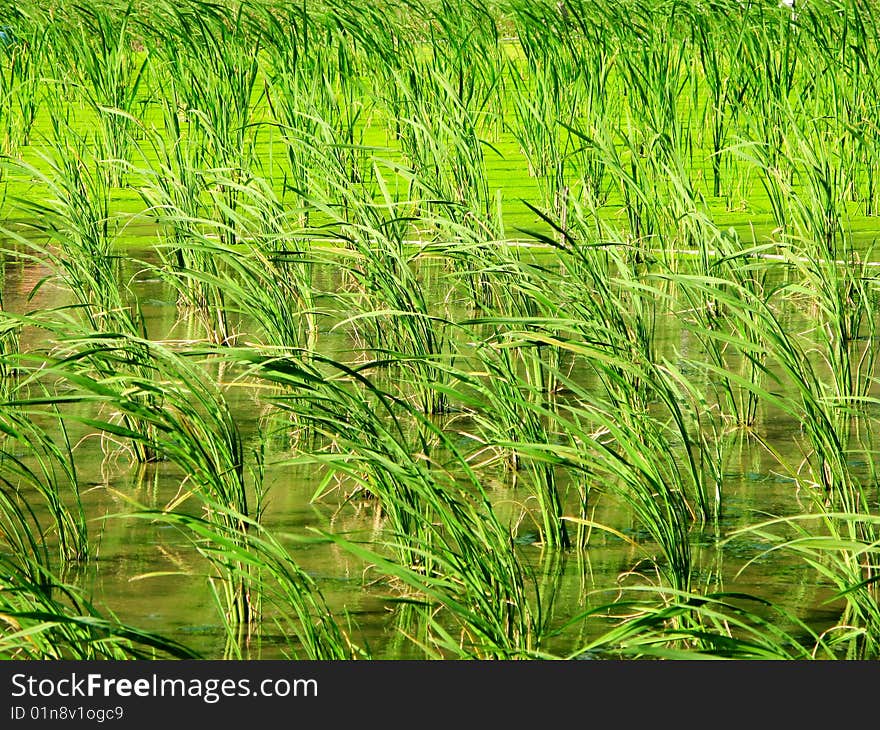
(439, 329)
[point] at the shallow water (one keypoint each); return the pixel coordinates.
(151, 576)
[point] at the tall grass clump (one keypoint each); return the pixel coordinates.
(842, 549)
(23, 58)
(290, 599)
(299, 93)
(389, 310)
(266, 280)
(44, 517)
(210, 63)
(725, 79)
(152, 400)
(48, 619)
(99, 44)
(71, 231)
(445, 541)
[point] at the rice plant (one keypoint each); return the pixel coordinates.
(101, 48)
(179, 416)
(51, 620)
(23, 58)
